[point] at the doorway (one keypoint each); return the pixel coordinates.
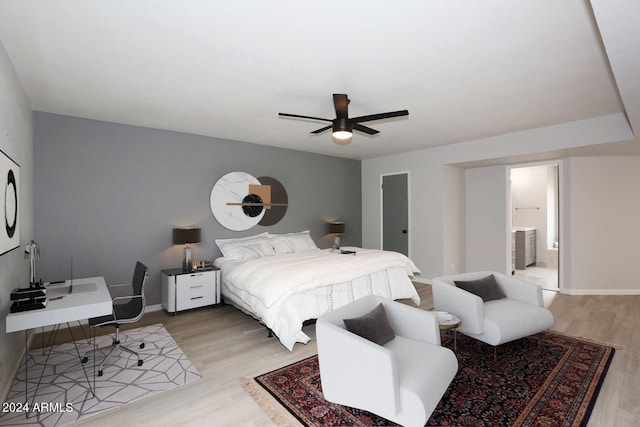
(535, 224)
(395, 212)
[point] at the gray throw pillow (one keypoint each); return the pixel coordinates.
(373, 326)
(486, 288)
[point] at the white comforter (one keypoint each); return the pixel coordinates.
(283, 290)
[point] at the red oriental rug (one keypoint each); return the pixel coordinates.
(547, 379)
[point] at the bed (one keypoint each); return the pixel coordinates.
(283, 280)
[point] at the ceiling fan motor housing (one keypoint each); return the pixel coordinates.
(342, 124)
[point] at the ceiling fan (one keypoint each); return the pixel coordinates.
(343, 125)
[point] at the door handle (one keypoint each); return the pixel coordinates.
(404, 231)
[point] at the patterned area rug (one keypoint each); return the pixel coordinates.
(548, 379)
(64, 395)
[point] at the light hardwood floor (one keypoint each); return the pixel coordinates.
(227, 346)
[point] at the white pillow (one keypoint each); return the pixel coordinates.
(253, 251)
(281, 244)
(295, 242)
(243, 248)
(302, 242)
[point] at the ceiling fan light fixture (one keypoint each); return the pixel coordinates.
(342, 134)
(342, 128)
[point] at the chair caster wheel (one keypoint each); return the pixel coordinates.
(139, 362)
(100, 373)
(85, 359)
(142, 345)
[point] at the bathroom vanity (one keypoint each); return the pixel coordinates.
(525, 247)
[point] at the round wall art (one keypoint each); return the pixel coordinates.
(240, 201)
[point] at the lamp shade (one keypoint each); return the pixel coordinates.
(184, 236)
(337, 228)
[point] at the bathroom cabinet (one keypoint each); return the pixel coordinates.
(513, 252)
(525, 247)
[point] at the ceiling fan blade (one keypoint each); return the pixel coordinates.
(341, 102)
(304, 117)
(322, 129)
(380, 116)
(365, 129)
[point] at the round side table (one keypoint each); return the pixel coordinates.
(451, 325)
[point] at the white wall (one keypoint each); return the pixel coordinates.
(435, 193)
(605, 231)
(552, 205)
(453, 220)
(486, 207)
(425, 240)
(17, 142)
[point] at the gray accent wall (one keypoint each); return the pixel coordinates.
(108, 195)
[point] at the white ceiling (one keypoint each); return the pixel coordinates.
(464, 69)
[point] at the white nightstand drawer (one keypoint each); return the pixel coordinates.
(190, 279)
(182, 291)
(195, 295)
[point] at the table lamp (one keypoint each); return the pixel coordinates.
(337, 229)
(33, 250)
(186, 236)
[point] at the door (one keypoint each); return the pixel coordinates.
(395, 213)
(534, 191)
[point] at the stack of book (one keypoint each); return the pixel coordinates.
(201, 265)
(31, 298)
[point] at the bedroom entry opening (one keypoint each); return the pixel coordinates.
(394, 191)
(535, 224)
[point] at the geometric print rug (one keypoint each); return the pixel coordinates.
(64, 395)
(549, 379)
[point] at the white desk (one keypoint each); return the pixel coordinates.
(88, 298)
(69, 301)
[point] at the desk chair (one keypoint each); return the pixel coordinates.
(126, 309)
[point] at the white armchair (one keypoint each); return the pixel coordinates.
(402, 380)
(496, 322)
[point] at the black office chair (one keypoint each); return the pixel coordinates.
(126, 309)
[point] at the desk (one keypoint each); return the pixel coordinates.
(69, 301)
(88, 298)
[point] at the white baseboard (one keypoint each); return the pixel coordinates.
(600, 291)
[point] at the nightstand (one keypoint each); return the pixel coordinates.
(191, 289)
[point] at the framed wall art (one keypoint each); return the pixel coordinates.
(9, 204)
